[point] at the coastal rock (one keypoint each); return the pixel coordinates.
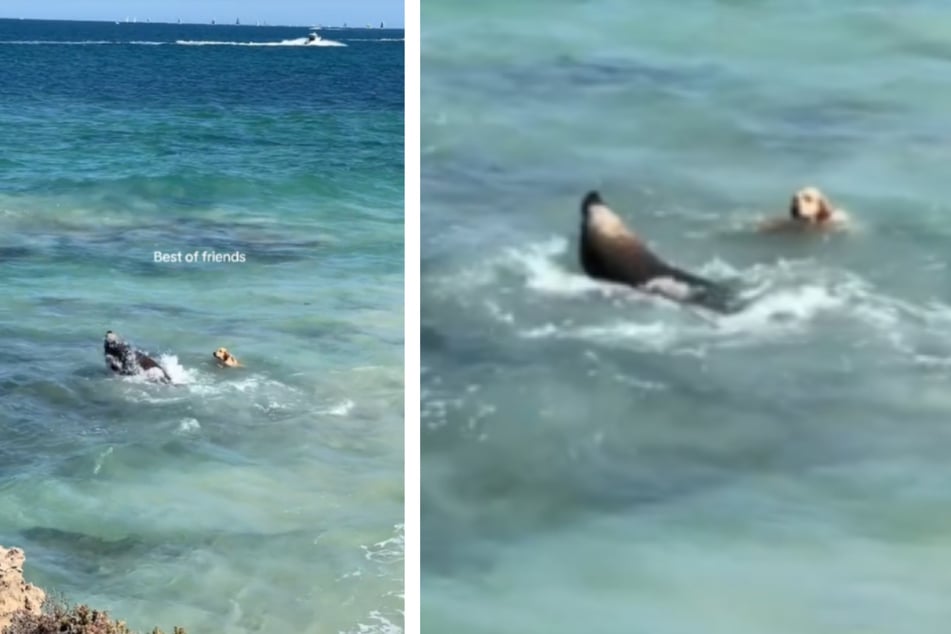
(15, 593)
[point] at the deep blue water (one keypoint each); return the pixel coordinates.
(263, 499)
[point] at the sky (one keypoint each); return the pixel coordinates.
(292, 12)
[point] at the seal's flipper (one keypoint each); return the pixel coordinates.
(690, 279)
(715, 296)
(719, 299)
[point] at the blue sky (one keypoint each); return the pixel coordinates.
(296, 12)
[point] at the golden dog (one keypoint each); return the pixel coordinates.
(226, 358)
(809, 209)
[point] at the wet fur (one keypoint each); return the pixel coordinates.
(809, 210)
(226, 358)
(122, 358)
(811, 205)
(610, 251)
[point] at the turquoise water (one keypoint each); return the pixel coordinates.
(595, 460)
(262, 499)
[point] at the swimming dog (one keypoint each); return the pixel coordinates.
(123, 358)
(610, 251)
(809, 209)
(226, 358)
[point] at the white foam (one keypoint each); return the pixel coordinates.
(379, 625)
(179, 374)
(189, 424)
(101, 459)
(775, 314)
(261, 392)
(388, 556)
(256, 383)
(545, 275)
(719, 268)
(669, 287)
(781, 299)
(788, 306)
(656, 334)
(299, 41)
(498, 313)
(389, 550)
(341, 409)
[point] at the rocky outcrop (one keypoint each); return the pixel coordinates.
(15, 593)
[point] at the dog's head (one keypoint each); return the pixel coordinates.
(810, 205)
(225, 357)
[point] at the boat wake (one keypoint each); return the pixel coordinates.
(299, 41)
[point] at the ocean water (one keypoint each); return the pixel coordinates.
(261, 499)
(596, 460)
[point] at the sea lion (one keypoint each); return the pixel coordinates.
(226, 358)
(123, 358)
(610, 251)
(809, 209)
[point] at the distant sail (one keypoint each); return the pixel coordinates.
(381, 25)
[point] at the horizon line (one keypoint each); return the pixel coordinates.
(304, 26)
